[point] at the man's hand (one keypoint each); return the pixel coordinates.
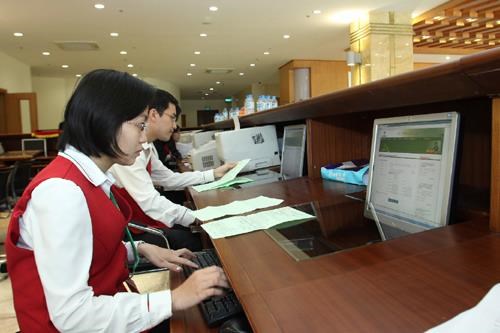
(170, 259)
(201, 284)
(223, 169)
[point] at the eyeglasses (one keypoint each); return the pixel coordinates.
(140, 125)
(172, 116)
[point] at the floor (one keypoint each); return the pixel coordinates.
(8, 322)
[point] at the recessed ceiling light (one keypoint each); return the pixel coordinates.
(192, 65)
(498, 22)
(189, 74)
(134, 75)
(286, 36)
(217, 82)
(206, 94)
(46, 53)
(203, 35)
(99, 6)
(266, 53)
(123, 52)
(114, 34)
(78, 75)
(64, 66)
(197, 52)
(241, 74)
(130, 65)
(212, 89)
(317, 11)
(252, 65)
(213, 8)
(447, 57)
(18, 34)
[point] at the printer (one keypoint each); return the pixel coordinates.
(204, 157)
(200, 138)
(259, 144)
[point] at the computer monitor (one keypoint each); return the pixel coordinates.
(292, 157)
(411, 172)
(34, 144)
(200, 138)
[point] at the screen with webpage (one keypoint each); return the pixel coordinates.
(410, 172)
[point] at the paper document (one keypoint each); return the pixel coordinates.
(235, 208)
(229, 177)
(263, 220)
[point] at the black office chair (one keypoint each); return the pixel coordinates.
(5, 205)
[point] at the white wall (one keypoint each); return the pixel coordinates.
(165, 85)
(52, 96)
(15, 76)
(191, 106)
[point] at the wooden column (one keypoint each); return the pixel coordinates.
(495, 167)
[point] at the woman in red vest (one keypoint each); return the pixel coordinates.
(67, 260)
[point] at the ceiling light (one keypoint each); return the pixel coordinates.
(99, 6)
(266, 53)
(114, 34)
(286, 36)
(317, 11)
(468, 41)
(203, 35)
(212, 89)
(252, 65)
(123, 52)
(134, 75)
(130, 66)
(64, 66)
(439, 18)
(498, 21)
(491, 43)
(471, 19)
(192, 65)
(46, 53)
(213, 8)
(217, 82)
(452, 38)
(78, 75)
(426, 36)
(197, 52)
(447, 57)
(241, 74)
(206, 94)
(18, 34)
(477, 39)
(189, 74)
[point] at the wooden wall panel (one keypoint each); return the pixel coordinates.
(495, 168)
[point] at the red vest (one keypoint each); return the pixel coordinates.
(137, 212)
(108, 269)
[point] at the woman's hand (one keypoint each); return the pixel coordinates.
(223, 169)
(200, 285)
(170, 259)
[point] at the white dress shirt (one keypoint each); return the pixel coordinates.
(140, 185)
(57, 227)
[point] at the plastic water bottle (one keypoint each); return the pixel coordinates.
(249, 104)
(225, 114)
(260, 103)
(274, 102)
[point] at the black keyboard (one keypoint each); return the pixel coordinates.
(216, 309)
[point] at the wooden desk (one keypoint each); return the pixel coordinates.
(19, 155)
(405, 285)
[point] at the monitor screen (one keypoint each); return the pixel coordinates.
(292, 158)
(34, 144)
(411, 172)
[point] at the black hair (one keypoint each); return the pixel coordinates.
(161, 101)
(103, 100)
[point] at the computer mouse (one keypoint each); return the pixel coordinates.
(236, 325)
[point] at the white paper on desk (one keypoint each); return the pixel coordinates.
(484, 317)
(237, 225)
(229, 176)
(235, 208)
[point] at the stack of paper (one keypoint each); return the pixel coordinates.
(227, 180)
(263, 220)
(235, 208)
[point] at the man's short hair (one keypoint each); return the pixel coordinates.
(161, 101)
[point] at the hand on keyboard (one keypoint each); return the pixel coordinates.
(161, 257)
(201, 284)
